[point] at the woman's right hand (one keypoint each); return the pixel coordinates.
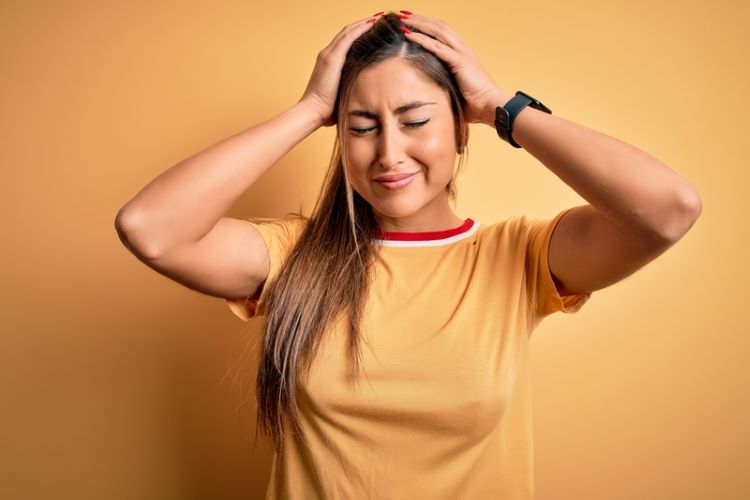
(324, 83)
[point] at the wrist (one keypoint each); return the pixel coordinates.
(499, 98)
(312, 111)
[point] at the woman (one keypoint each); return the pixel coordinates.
(444, 306)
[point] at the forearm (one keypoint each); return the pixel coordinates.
(186, 201)
(631, 188)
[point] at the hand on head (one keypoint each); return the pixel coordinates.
(477, 87)
(324, 82)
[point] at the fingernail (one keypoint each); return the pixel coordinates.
(406, 12)
(378, 13)
(405, 30)
(403, 16)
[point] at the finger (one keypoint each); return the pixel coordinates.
(348, 34)
(358, 26)
(436, 29)
(437, 47)
(346, 30)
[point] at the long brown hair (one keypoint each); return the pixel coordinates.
(328, 272)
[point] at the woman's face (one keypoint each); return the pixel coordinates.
(391, 134)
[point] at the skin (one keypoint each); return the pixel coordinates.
(387, 145)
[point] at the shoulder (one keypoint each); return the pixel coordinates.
(517, 233)
(290, 224)
(523, 225)
(504, 228)
(280, 233)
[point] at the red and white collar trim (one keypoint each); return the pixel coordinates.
(426, 238)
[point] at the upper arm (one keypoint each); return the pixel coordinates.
(232, 260)
(587, 252)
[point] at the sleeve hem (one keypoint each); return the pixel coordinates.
(565, 303)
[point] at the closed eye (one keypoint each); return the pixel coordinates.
(362, 131)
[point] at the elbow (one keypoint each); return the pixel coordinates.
(127, 225)
(120, 220)
(125, 219)
(125, 222)
(687, 209)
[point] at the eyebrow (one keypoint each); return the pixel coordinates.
(398, 111)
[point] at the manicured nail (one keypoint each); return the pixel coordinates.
(405, 30)
(403, 16)
(406, 12)
(378, 14)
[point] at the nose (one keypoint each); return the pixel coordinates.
(390, 146)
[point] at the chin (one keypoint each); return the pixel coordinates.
(397, 208)
(396, 205)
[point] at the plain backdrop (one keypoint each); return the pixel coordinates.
(117, 383)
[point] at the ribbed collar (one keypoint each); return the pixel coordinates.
(426, 238)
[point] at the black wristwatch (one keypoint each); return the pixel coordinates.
(505, 116)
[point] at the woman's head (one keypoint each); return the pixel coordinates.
(383, 72)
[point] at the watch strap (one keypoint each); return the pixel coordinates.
(506, 115)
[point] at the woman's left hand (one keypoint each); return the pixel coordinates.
(481, 93)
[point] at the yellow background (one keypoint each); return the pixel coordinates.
(112, 377)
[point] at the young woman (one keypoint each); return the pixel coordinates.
(396, 333)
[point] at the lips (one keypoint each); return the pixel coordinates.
(396, 181)
(393, 178)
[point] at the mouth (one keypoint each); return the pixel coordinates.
(396, 181)
(395, 177)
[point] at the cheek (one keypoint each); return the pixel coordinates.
(438, 153)
(361, 153)
(436, 146)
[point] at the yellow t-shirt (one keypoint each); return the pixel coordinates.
(443, 410)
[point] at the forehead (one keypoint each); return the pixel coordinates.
(392, 83)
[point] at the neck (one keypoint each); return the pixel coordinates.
(440, 219)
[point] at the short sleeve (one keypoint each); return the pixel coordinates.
(542, 291)
(279, 235)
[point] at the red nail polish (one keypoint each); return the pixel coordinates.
(378, 14)
(406, 12)
(403, 16)
(405, 30)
